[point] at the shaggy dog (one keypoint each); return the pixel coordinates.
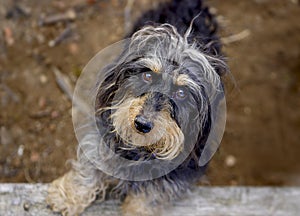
(154, 110)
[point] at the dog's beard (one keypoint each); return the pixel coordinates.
(165, 141)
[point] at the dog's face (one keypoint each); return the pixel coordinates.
(157, 94)
(152, 110)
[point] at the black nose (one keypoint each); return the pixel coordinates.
(142, 124)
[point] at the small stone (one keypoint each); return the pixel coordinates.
(54, 114)
(230, 161)
(34, 157)
(42, 102)
(40, 38)
(71, 14)
(73, 48)
(58, 143)
(43, 79)
(26, 206)
(51, 43)
(8, 35)
(21, 150)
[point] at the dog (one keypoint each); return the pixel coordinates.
(156, 111)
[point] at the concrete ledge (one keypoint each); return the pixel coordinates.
(29, 199)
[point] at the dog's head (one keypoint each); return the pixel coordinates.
(158, 94)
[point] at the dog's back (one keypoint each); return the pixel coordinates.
(180, 13)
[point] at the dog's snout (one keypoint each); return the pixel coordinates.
(143, 124)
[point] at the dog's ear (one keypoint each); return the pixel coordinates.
(219, 64)
(106, 89)
(193, 161)
(213, 128)
(203, 134)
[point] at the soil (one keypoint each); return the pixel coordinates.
(261, 143)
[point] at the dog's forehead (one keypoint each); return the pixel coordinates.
(181, 79)
(176, 73)
(154, 64)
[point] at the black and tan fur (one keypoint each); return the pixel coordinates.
(171, 69)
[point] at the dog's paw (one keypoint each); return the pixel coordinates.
(69, 198)
(59, 200)
(56, 201)
(138, 205)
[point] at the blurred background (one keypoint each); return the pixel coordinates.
(44, 45)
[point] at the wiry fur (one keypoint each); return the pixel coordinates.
(165, 140)
(185, 56)
(77, 189)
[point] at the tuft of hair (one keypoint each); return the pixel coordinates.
(164, 44)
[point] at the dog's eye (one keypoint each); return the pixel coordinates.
(180, 94)
(147, 77)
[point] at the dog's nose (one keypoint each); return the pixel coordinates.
(142, 124)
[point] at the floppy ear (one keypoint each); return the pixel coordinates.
(193, 160)
(203, 135)
(219, 64)
(106, 89)
(212, 125)
(105, 94)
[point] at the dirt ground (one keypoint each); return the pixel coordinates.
(261, 145)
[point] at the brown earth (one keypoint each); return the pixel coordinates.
(261, 144)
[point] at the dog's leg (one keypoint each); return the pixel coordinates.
(140, 205)
(77, 189)
(150, 200)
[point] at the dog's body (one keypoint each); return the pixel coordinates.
(153, 105)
